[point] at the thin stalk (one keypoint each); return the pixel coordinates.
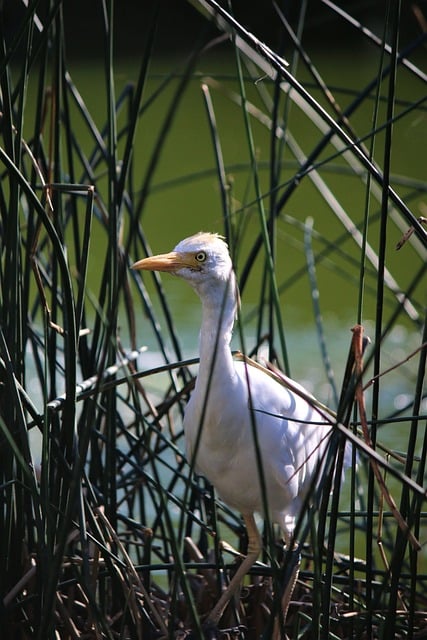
(393, 18)
(370, 498)
(315, 295)
(219, 161)
(269, 257)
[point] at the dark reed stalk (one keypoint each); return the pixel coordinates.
(392, 22)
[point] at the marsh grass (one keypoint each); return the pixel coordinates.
(104, 530)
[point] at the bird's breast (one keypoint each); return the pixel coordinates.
(248, 420)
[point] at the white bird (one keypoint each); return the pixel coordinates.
(231, 397)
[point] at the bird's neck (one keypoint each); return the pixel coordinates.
(218, 313)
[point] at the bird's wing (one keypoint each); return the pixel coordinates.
(269, 369)
(292, 432)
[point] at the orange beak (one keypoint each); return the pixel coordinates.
(164, 262)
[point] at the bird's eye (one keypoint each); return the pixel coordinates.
(201, 256)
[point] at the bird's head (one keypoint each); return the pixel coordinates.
(203, 260)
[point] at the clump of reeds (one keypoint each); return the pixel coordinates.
(104, 530)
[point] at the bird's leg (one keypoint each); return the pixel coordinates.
(254, 549)
(293, 571)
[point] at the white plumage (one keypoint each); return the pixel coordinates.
(231, 396)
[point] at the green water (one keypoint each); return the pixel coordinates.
(184, 195)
